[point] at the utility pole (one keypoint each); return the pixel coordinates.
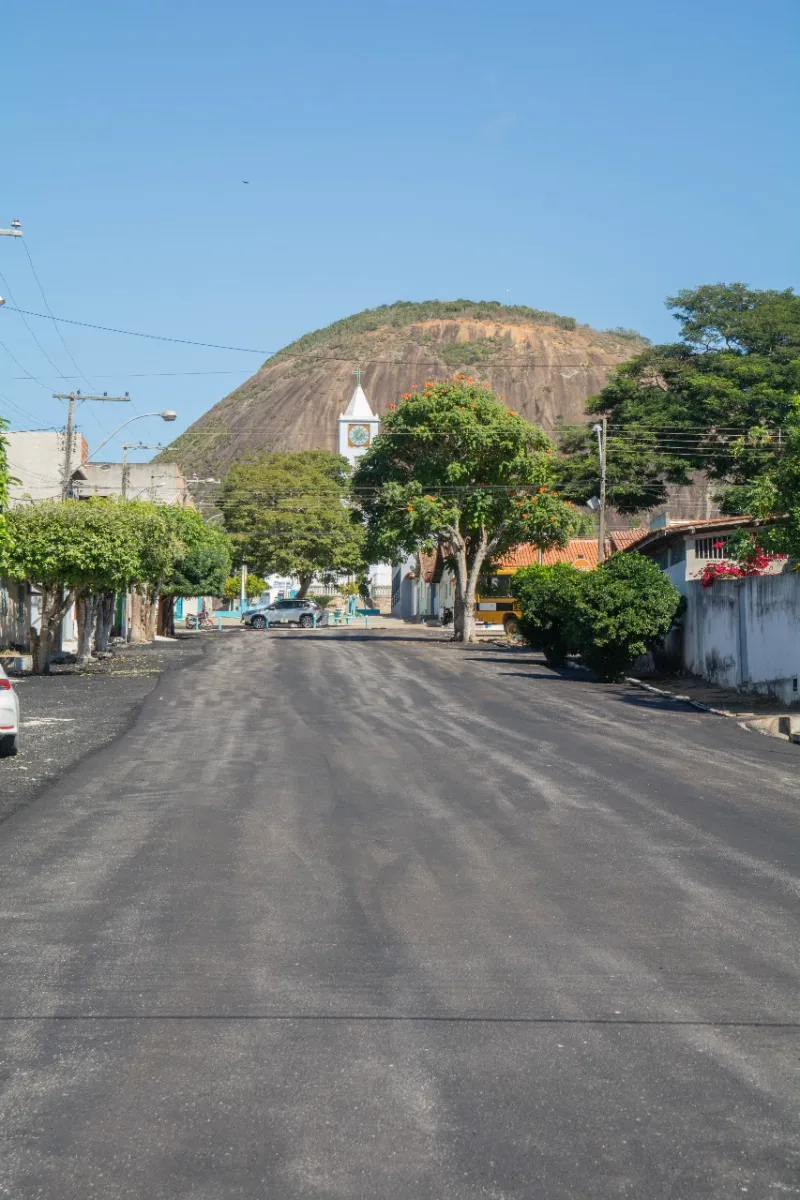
(72, 397)
(602, 441)
(243, 587)
(125, 449)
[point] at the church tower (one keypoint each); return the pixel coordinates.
(358, 425)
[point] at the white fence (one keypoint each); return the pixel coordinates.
(746, 634)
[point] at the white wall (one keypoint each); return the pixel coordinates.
(746, 634)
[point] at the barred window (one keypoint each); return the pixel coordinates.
(710, 547)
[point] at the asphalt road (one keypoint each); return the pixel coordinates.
(352, 915)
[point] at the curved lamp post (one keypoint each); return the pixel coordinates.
(167, 415)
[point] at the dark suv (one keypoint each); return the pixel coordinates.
(285, 612)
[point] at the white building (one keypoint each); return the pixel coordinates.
(358, 425)
(683, 549)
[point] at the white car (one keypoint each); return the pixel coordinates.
(9, 716)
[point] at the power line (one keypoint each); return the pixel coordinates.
(12, 308)
(55, 324)
(158, 337)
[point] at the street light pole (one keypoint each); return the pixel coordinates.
(602, 438)
(167, 415)
(72, 397)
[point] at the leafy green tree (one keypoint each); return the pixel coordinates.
(774, 493)
(200, 561)
(707, 403)
(548, 599)
(254, 586)
(288, 514)
(71, 549)
(621, 611)
(454, 466)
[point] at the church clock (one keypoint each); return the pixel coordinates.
(358, 435)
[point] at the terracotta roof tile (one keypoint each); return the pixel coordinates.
(581, 552)
(622, 539)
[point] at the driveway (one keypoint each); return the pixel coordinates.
(363, 915)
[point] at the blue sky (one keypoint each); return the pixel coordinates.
(589, 158)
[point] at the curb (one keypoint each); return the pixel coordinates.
(751, 726)
(648, 687)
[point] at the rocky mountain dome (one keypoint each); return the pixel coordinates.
(542, 364)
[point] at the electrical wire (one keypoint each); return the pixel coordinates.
(45, 301)
(12, 308)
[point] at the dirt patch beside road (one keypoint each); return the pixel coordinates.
(77, 710)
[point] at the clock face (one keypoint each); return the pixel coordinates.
(358, 435)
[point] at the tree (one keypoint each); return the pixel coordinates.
(548, 599)
(773, 493)
(71, 549)
(199, 565)
(254, 586)
(621, 610)
(288, 514)
(706, 403)
(454, 466)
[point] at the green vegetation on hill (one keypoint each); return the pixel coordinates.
(407, 312)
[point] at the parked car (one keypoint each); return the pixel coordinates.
(9, 716)
(285, 612)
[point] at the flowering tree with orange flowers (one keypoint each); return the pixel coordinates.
(453, 466)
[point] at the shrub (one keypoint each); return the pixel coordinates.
(548, 599)
(622, 609)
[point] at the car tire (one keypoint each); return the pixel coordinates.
(511, 626)
(8, 746)
(259, 623)
(306, 621)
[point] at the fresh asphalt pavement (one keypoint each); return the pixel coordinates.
(365, 915)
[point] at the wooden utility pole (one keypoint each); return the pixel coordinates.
(72, 397)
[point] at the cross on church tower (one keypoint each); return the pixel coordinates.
(358, 424)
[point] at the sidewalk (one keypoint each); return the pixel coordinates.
(762, 714)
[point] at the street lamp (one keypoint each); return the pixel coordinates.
(167, 415)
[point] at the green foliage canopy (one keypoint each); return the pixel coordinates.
(548, 597)
(289, 513)
(609, 616)
(704, 403)
(452, 465)
(624, 607)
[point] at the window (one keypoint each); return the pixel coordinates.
(677, 553)
(710, 547)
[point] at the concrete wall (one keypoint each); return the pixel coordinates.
(15, 614)
(746, 634)
(146, 481)
(36, 459)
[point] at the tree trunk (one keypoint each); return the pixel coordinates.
(85, 609)
(305, 584)
(151, 616)
(106, 604)
(139, 608)
(54, 604)
(468, 569)
(166, 616)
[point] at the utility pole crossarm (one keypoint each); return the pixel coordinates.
(14, 231)
(72, 398)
